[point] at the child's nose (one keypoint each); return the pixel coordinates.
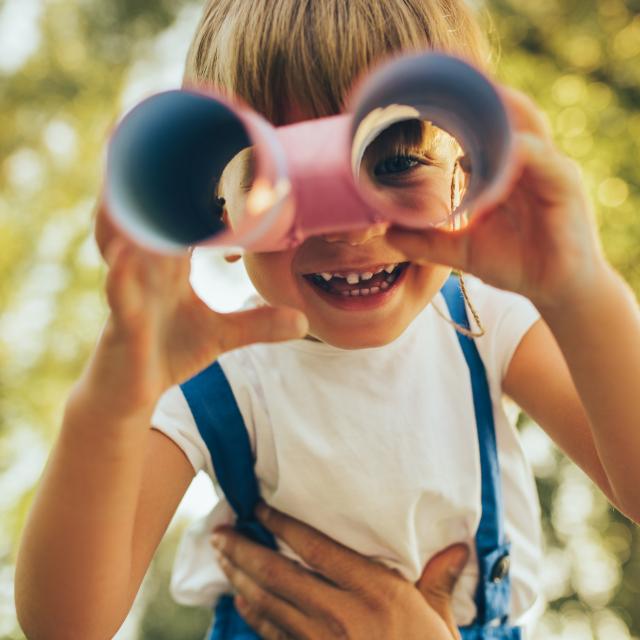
(358, 236)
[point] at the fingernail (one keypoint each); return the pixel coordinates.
(217, 541)
(460, 561)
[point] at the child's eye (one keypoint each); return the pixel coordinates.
(396, 164)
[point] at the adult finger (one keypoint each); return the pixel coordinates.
(264, 611)
(439, 579)
(261, 625)
(335, 562)
(272, 572)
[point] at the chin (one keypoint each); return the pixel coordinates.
(355, 338)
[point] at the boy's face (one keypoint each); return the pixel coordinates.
(356, 289)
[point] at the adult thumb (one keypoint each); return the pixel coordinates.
(439, 579)
(264, 324)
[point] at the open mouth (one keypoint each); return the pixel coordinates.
(358, 284)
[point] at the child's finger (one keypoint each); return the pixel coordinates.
(449, 248)
(265, 324)
(546, 171)
(123, 291)
(113, 251)
(525, 114)
(105, 230)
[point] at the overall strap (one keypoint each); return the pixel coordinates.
(493, 593)
(222, 428)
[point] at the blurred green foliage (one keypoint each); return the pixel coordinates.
(579, 59)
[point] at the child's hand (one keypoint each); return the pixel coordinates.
(541, 240)
(159, 332)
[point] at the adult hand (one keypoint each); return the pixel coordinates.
(344, 595)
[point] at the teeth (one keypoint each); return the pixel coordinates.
(374, 289)
(355, 292)
(384, 285)
(364, 292)
(354, 278)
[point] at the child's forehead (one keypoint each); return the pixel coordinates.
(293, 112)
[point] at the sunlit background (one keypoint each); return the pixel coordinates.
(69, 68)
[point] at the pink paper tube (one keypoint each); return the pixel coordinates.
(174, 153)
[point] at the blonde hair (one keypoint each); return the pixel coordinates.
(277, 53)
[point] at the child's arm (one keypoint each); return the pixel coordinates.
(95, 523)
(112, 484)
(577, 374)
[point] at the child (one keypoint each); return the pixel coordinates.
(380, 428)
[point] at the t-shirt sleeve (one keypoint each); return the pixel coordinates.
(173, 417)
(506, 318)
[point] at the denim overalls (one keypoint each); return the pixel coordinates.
(218, 418)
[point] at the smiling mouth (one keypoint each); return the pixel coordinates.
(354, 284)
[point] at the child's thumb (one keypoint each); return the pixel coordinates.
(265, 324)
(439, 579)
(450, 248)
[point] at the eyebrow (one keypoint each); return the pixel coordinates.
(401, 137)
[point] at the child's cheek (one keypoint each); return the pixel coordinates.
(272, 276)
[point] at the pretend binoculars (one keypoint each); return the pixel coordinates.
(425, 139)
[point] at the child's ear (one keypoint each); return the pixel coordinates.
(224, 216)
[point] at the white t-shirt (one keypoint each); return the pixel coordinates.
(375, 447)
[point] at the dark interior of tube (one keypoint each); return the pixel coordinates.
(165, 162)
(453, 96)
